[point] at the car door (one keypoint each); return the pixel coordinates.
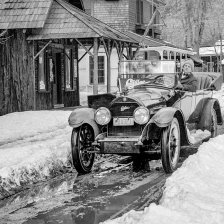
(199, 99)
(184, 103)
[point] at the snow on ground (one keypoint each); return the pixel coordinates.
(34, 146)
(20, 125)
(193, 194)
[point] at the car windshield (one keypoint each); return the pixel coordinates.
(162, 80)
(138, 74)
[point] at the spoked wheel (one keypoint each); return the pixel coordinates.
(170, 146)
(214, 127)
(81, 143)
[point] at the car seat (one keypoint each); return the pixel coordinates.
(204, 81)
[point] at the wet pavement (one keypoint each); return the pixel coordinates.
(91, 198)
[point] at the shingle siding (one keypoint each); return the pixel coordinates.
(115, 14)
(132, 15)
(19, 14)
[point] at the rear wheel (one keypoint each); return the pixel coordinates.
(170, 146)
(81, 143)
(209, 121)
(214, 125)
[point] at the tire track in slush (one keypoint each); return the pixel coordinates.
(92, 198)
(106, 197)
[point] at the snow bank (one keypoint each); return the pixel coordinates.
(34, 146)
(20, 125)
(196, 136)
(193, 194)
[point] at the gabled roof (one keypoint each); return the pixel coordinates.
(66, 21)
(160, 2)
(148, 40)
(20, 14)
(152, 42)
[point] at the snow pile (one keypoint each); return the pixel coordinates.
(20, 125)
(196, 136)
(193, 194)
(35, 145)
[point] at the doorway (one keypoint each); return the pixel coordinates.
(57, 82)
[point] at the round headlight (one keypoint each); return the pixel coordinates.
(102, 116)
(141, 115)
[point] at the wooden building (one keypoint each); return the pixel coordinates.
(39, 41)
(127, 15)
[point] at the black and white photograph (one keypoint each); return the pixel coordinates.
(111, 111)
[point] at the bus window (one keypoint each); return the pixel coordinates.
(140, 55)
(178, 56)
(165, 55)
(183, 56)
(178, 66)
(146, 55)
(171, 55)
(153, 55)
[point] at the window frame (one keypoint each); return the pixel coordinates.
(43, 72)
(68, 58)
(91, 67)
(139, 12)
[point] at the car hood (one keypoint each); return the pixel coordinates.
(149, 96)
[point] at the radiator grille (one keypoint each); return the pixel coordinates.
(124, 109)
(134, 130)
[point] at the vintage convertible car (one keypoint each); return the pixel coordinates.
(148, 119)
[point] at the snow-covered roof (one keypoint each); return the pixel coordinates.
(204, 51)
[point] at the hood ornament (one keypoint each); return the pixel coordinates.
(123, 108)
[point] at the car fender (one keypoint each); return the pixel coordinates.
(164, 116)
(211, 103)
(83, 115)
(206, 104)
(162, 119)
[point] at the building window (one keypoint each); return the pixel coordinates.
(42, 71)
(139, 8)
(68, 69)
(101, 69)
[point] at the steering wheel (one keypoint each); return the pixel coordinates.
(157, 78)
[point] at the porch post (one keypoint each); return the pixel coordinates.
(34, 79)
(108, 74)
(108, 50)
(95, 67)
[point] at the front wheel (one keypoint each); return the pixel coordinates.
(170, 146)
(81, 144)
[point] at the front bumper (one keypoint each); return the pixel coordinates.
(114, 145)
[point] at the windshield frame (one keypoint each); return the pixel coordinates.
(129, 79)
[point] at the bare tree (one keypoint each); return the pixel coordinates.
(215, 29)
(192, 15)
